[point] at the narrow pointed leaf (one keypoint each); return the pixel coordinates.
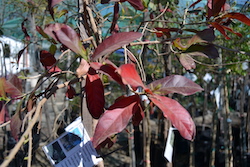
(231, 30)
(175, 84)
(115, 118)
(94, 94)
(114, 42)
(130, 76)
(241, 17)
(220, 28)
(177, 114)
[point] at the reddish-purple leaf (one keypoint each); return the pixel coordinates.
(187, 61)
(20, 53)
(114, 42)
(138, 117)
(174, 84)
(177, 114)
(94, 94)
(115, 118)
(162, 31)
(67, 36)
(231, 30)
(130, 76)
(46, 58)
(217, 6)
(109, 70)
(241, 17)
(15, 125)
(83, 68)
(220, 28)
(71, 92)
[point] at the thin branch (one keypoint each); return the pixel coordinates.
(217, 65)
(5, 124)
(164, 11)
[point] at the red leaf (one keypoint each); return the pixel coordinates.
(83, 68)
(71, 92)
(94, 94)
(67, 36)
(130, 76)
(109, 70)
(138, 117)
(219, 28)
(116, 118)
(217, 6)
(46, 58)
(178, 115)
(231, 30)
(114, 42)
(161, 31)
(238, 16)
(15, 125)
(175, 84)
(187, 61)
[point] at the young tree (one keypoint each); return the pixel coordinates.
(92, 66)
